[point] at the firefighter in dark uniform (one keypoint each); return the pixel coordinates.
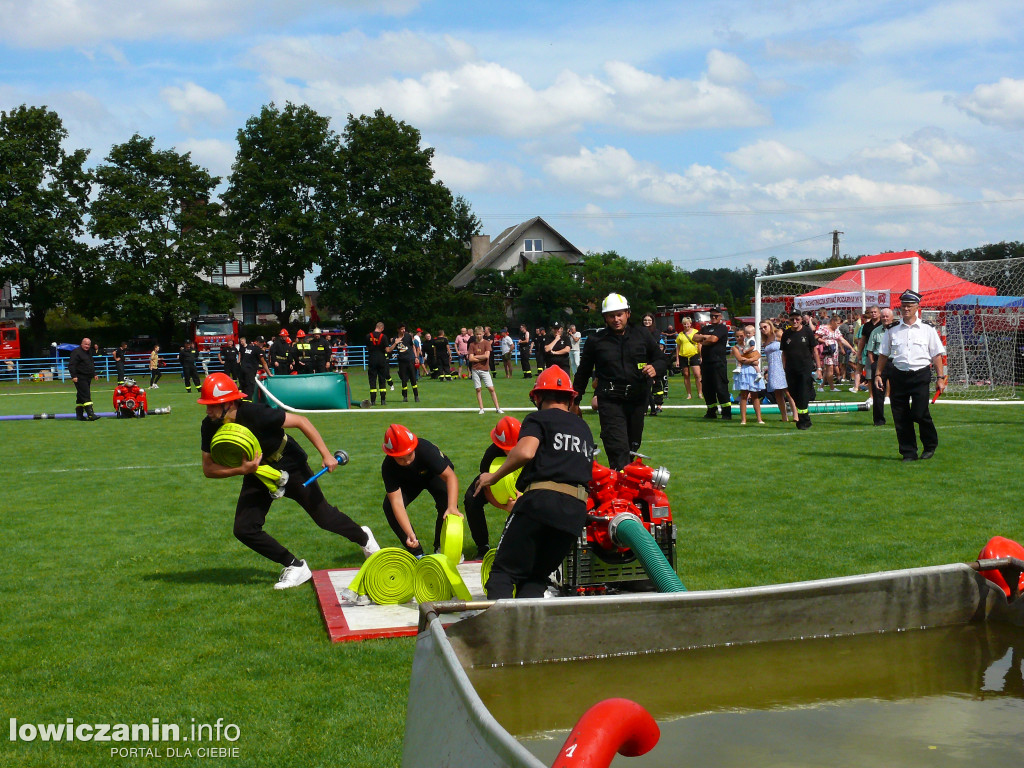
(82, 369)
(556, 451)
(187, 359)
(228, 356)
(281, 353)
(714, 344)
(321, 352)
(799, 351)
(252, 359)
(540, 340)
(119, 361)
(406, 363)
(443, 357)
(225, 404)
(625, 360)
(504, 437)
(410, 467)
(302, 353)
(525, 352)
(377, 351)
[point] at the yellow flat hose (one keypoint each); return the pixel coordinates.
(387, 577)
(233, 444)
(269, 476)
(485, 567)
(452, 531)
(437, 579)
(504, 489)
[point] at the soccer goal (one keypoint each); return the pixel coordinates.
(977, 307)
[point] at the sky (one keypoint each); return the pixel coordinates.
(708, 134)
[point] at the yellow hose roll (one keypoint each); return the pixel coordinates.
(452, 532)
(504, 489)
(485, 567)
(232, 444)
(387, 577)
(438, 579)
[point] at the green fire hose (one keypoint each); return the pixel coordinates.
(627, 530)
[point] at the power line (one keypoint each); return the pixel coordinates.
(748, 253)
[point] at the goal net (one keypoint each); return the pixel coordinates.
(977, 307)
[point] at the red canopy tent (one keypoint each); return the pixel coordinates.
(936, 285)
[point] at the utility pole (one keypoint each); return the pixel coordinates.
(835, 243)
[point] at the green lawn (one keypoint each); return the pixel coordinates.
(126, 597)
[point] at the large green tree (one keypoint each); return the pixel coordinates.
(161, 235)
(284, 198)
(401, 238)
(44, 192)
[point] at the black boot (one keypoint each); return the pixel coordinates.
(80, 413)
(417, 398)
(727, 412)
(711, 414)
(91, 413)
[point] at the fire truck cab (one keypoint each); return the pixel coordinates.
(211, 332)
(673, 314)
(10, 343)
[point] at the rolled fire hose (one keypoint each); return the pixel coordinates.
(452, 532)
(437, 579)
(627, 530)
(485, 567)
(504, 489)
(387, 578)
(232, 445)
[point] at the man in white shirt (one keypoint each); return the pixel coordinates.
(905, 357)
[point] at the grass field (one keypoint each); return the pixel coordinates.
(126, 598)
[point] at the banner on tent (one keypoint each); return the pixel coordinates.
(841, 300)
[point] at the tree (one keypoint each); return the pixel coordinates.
(44, 194)
(399, 240)
(284, 198)
(161, 235)
(546, 290)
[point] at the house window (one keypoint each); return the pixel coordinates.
(239, 266)
(533, 246)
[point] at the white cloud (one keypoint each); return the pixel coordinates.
(461, 175)
(193, 102)
(214, 155)
(852, 190)
(1000, 103)
(831, 51)
(769, 160)
(727, 69)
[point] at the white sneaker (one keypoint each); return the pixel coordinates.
(155, 386)
(371, 545)
(281, 483)
(392, 387)
(481, 411)
(498, 410)
(294, 575)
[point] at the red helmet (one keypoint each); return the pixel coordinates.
(300, 334)
(218, 388)
(284, 332)
(505, 434)
(399, 441)
(552, 379)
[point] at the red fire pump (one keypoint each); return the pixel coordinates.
(129, 400)
(597, 564)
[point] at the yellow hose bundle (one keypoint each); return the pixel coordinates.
(437, 579)
(387, 577)
(485, 567)
(452, 532)
(232, 445)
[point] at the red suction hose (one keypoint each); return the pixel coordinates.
(609, 727)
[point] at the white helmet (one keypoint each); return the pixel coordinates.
(614, 302)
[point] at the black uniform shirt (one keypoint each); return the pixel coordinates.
(118, 355)
(551, 357)
(442, 350)
(229, 353)
(280, 351)
(618, 360)
(187, 358)
(81, 363)
(252, 356)
(429, 462)
(717, 352)
(376, 348)
(266, 424)
(798, 347)
(493, 452)
(404, 348)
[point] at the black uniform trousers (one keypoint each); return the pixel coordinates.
(378, 375)
(529, 549)
(524, 360)
(83, 391)
(715, 385)
(878, 400)
(437, 488)
(247, 380)
(119, 364)
(254, 502)
(908, 401)
(801, 385)
(407, 373)
(622, 427)
(190, 374)
(475, 507)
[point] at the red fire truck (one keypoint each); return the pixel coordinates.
(10, 343)
(211, 332)
(699, 314)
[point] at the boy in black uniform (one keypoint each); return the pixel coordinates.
(187, 359)
(624, 359)
(799, 348)
(228, 356)
(504, 437)
(279, 450)
(556, 450)
(119, 361)
(406, 363)
(443, 357)
(252, 359)
(377, 351)
(525, 351)
(411, 467)
(540, 340)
